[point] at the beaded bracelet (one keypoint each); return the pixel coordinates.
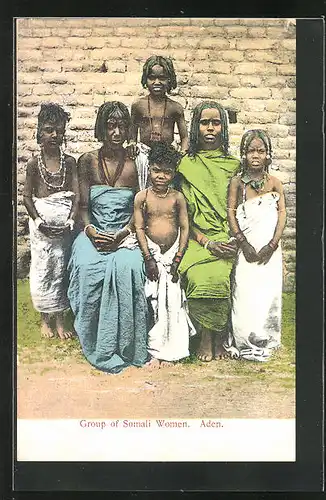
(87, 226)
(206, 244)
(273, 245)
(148, 257)
(240, 237)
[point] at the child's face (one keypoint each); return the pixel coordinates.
(161, 175)
(116, 132)
(210, 128)
(51, 134)
(256, 154)
(157, 80)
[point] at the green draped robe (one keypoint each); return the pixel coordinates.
(204, 181)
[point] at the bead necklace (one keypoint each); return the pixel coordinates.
(160, 195)
(62, 168)
(156, 136)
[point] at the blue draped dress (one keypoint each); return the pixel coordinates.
(106, 289)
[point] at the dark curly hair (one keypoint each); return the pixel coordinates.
(247, 139)
(162, 153)
(110, 109)
(166, 64)
(50, 113)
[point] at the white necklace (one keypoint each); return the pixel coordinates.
(161, 195)
(62, 168)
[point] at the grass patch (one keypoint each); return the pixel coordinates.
(32, 348)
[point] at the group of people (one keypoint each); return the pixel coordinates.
(155, 248)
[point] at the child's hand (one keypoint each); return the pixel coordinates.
(132, 150)
(151, 269)
(174, 271)
(249, 252)
(265, 254)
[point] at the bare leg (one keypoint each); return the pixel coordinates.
(153, 363)
(46, 330)
(205, 349)
(60, 327)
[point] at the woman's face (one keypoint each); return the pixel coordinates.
(116, 132)
(210, 128)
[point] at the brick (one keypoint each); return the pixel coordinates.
(200, 21)
(289, 44)
(277, 32)
(254, 68)
(291, 105)
(23, 90)
(210, 92)
(28, 43)
(225, 80)
(78, 32)
(282, 154)
(42, 32)
(134, 42)
(64, 89)
(57, 78)
(101, 31)
(52, 42)
(288, 119)
(273, 56)
(235, 31)
(26, 123)
(276, 130)
(256, 44)
(253, 105)
(287, 165)
(29, 55)
(232, 55)
(251, 81)
(251, 93)
(274, 81)
(43, 89)
(276, 105)
(263, 117)
(98, 42)
(199, 54)
(285, 93)
(214, 43)
(159, 43)
(227, 22)
(80, 100)
(75, 41)
(286, 69)
(287, 142)
(131, 32)
(74, 66)
(259, 32)
(250, 22)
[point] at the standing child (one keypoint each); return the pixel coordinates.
(162, 229)
(155, 115)
(51, 199)
(256, 211)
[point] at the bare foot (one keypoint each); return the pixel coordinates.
(219, 351)
(204, 351)
(64, 335)
(153, 363)
(46, 331)
(166, 364)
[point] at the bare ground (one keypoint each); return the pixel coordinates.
(220, 389)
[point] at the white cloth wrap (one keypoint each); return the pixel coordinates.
(257, 289)
(49, 255)
(141, 162)
(169, 338)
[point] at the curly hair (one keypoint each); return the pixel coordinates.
(194, 127)
(110, 109)
(50, 113)
(246, 141)
(162, 153)
(166, 64)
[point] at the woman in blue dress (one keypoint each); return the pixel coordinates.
(106, 278)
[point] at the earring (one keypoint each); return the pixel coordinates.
(268, 157)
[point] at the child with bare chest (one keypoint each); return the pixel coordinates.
(161, 222)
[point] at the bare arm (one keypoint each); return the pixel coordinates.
(139, 222)
(134, 122)
(84, 164)
(281, 213)
(232, 205)
(29, 189)
(75, 189)
(182, 128)
(183, 222)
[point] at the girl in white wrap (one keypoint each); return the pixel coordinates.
(51, 199)
(256, 213)
(161, 222)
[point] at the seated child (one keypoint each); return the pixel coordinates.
(256, 213)
(155, 115)
(161, 223)
(51, 199)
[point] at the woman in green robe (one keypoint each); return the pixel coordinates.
(204, 175)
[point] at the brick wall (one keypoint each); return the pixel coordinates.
(248, 65)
